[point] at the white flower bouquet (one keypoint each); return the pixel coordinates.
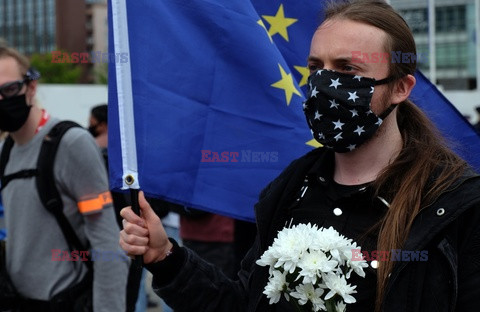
(310, 267)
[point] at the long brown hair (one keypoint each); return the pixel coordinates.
(406, 183)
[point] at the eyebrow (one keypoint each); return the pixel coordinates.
(339, 60)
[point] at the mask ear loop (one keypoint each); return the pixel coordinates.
(385, 80)
(387, 111)
(392, 106)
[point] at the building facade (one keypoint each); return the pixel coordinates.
(455, 46)
(43, 26)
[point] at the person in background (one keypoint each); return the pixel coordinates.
(211, 236)
(41, 279)
(383, 177)
(98, 128)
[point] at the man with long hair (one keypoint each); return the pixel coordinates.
(384, 177)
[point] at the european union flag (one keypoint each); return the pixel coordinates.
(208, 108)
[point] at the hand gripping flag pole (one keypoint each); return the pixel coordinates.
(125, 107)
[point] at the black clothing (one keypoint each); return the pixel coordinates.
(448, 229)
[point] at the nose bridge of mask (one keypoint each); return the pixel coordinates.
(384, 80)
(352, 90)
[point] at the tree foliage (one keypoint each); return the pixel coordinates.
(55, 72)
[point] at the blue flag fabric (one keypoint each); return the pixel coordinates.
(217, 96)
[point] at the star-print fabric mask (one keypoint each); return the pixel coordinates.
(338, 109)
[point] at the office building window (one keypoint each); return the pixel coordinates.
(450, 19)
(417, 20)
(50, 31)
(447, 19)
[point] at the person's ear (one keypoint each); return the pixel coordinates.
(31, 91)
(403, 88)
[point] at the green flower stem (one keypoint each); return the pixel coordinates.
(330, 305)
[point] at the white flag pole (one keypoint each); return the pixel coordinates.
(125, 97)
(123, 75)
(431, 41)
(477, 40)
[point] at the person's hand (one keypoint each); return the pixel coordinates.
(144, 234)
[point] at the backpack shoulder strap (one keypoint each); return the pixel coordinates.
(47, 189)
(7, 148)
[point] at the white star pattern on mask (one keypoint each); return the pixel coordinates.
(352, 96)
(319, 72)
(354, 112)
(338, 124)
(357, 77)
(304, 105)
(351, 147)
(370, 111)
(338, 137)
(314, 92)
(318, 115)
(334, 105)
(335, 83)
(359, 130)
(373, 89)
(379, 122)
(321, 136)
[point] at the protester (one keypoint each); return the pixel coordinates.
(384, 178)
(98, 126)
(39, 256)
(211, 236)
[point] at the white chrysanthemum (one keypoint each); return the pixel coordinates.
(317, 257)
(338, 285)
(306, 292)
(276, 284)
(291, 244)
(340, 307)
(356, 265)
(329, 240)
(267, 259)
(313, 263)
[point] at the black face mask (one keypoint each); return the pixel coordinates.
(14, 112)
(338, 109)
(93, 130)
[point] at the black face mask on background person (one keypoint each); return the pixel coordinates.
(338, 109)
(14, 112)
(93, 130)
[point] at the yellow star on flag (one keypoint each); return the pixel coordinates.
(305, 72)
(260, 22)
(314, 143)
(279, 23)
(286, 83)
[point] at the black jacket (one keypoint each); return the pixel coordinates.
(449, 281)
